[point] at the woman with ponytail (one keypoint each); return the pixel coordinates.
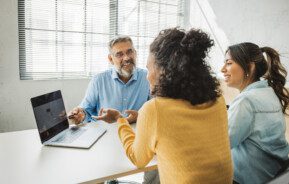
(256, 116)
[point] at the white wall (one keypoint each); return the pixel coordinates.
(264, 22)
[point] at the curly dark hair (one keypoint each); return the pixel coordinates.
(180, 56)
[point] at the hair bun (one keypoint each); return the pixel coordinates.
(197, 42)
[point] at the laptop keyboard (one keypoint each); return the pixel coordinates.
(70, 135)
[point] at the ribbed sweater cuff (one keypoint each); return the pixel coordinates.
(122, 121)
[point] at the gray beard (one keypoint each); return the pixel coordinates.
(125, 73)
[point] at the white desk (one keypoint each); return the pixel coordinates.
(23, 159)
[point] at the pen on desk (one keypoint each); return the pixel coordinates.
(71, 116)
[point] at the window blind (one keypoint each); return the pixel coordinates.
(67, 39)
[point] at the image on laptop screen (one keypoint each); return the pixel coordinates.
(49, 117)
(50, 114)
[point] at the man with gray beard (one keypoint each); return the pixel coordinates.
(124, 87)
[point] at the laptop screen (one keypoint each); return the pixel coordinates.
(50, 114)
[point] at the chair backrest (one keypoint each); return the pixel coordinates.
(282, 178)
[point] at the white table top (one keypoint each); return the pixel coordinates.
(23, 159)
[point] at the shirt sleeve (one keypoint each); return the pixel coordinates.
(241, 118)
(89, 103)
(140, 146)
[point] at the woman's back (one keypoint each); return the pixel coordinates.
(185, 125)
(192, 143)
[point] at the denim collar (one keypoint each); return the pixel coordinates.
(258, 84)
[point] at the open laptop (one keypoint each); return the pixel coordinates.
(53, 126)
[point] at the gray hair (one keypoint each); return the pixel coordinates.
(117, 39)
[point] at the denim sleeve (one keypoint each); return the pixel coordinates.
(90, 101)
(241, 118)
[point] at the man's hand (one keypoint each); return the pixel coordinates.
(77, 115)
(132, 116)
(108, 115)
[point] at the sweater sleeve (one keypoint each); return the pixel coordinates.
(140, 146)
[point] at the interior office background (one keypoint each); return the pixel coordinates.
(265, 22)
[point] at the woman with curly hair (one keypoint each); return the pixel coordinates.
(256, 116)
(185, 124)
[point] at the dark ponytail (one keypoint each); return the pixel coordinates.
(269, 68)
(276, 76)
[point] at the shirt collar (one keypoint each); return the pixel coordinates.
(258, 84)
(114, 74)
(134, 76)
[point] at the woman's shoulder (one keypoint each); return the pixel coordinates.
(157, 101)
(259, 95)
(221, 100)
(149, 105)
(165, 101)
(260, 99)
(170, 102)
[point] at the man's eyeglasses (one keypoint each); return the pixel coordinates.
(120, 55)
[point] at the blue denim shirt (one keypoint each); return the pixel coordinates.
(106, 90)
(257, 128)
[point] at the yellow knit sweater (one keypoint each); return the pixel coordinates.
(191, 142)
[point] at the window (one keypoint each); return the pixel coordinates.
(67, 39)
